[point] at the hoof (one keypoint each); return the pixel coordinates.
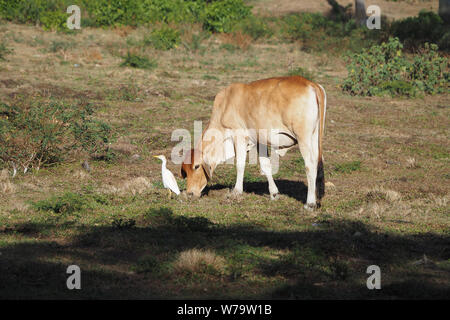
(274, 196)
(235, 194)
(310, 206)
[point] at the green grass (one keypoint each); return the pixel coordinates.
(135, 61)
(347, 167)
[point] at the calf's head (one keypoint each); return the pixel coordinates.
(194, 170)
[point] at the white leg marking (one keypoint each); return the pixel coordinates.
(266, 168)
(241, 155)
(310, 158)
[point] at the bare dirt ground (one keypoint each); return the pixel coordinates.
(386, 168)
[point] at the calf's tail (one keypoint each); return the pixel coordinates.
(322, 104)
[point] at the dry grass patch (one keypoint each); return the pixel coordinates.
(380, 193)
(124, 148)
(238, 39)
(411, 163)
(196, 260)
(81, 175)
(5, 185)
(134, 186)
(92, 55)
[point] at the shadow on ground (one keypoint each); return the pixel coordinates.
(323, 262)
(293, 189)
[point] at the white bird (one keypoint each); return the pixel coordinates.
(169, 181)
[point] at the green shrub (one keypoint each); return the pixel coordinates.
(216, 16)
(54, 20)
(90, 134)
(414, 32)
(320, 33)
(384, 69)
(114, 12)
(398, 88)
(35, 135)
(428, 70)
(373, 66)
(301, 26)
(173, 11)
(164, 38)
(136, 12)
(223, 15)
(135, 61)
(35, 11)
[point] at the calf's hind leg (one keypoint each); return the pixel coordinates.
(310, 152)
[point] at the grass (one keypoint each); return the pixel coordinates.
(387, 163)
(299, 71)
(347, 167)
(4, 51)
(136, 61)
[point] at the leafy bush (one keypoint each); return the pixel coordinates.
(217, 16)
(414, 32)
(173, 11)
(164, 38)
(428, 70)
(114, 12)
(35, 135)
(135, 61)
(376, 65)
(384, 69)
(320, 33)
(90, 134)
(29, 11)
(309, 25)
(223, 15)
(54, 20)
(398, 87)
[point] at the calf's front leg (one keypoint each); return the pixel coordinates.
(241, 155)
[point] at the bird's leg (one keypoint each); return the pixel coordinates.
(169, 193)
